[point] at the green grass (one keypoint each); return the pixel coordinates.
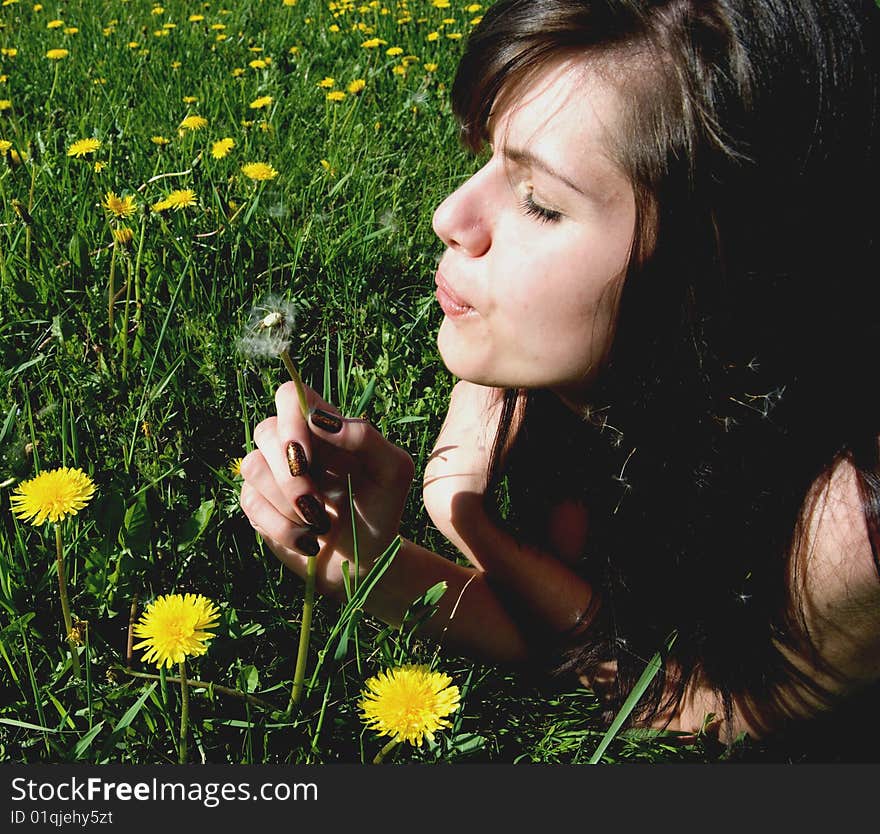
(156, 404)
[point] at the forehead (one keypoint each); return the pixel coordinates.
(569, 110)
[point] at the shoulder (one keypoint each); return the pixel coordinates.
(834, 578)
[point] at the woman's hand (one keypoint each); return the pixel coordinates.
(295, 490)
(455, 477)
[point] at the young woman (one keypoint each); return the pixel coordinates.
(660, 297)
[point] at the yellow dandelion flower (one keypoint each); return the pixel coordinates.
(5, 145)
(181, 198)
(99, 166)
(189, 99)
(38, 7)
(17, 157)
(175, 627)
(133, 44)
(392, 51)
(196, 18)
(222, 147)
(259, 171)
(175, 65)
(356, 86)
(54, 24)
(71, 30)
(157, 10)
(160, 140)
(52, 496)
(294, 50)
(57, 54)
(4, 79)
(5, 104)
(160, 206)
(408, 703)
(477, 21)
(333, 28)
(122, 235)
(433, 36)
(257, 63)
(335, 95)
(119, 206)
(193, 123)
(474, 7)
(430, 67)
(218, 27)
(260, 103)
(237, 72)
(82, 147)
(8, 52)
(235, 467)
(288, 2)
(327, 82)
(372, 43)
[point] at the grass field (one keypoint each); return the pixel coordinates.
(129, 267)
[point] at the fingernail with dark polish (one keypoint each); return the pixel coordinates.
(308, 544)
(314, 514)
(296, 459)
(326, 421)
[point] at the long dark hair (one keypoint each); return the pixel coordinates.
(739, 373)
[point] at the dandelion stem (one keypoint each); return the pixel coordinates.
(111, 293)
(380, 756)
(297, 381)
(184, 712)
(304, 633)
(123, 334)
(195, 683)
(65, 605)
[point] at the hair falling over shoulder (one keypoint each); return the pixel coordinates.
(739, 373)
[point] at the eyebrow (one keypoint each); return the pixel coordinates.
(521, 156)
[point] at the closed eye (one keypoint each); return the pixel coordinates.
(531, 209)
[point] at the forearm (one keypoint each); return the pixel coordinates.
(556, 596)
(470, 618)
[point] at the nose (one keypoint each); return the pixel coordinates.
(462, 220)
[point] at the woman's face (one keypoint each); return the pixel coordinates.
(537, 242)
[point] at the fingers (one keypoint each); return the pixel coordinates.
(291, 543)
(386, 463)
(372, 453)
(268, 471)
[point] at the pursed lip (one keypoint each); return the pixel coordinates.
(444, 289)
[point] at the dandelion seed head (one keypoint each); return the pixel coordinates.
(269, 329)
